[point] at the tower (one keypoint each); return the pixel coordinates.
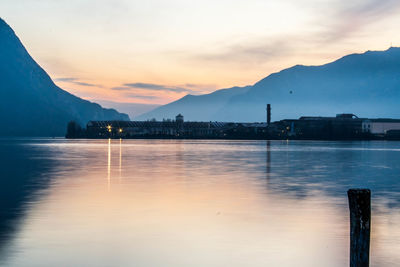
(268, 114)
(179, 118)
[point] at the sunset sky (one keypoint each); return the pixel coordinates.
(155, 51)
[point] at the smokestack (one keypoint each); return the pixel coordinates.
(268, 114)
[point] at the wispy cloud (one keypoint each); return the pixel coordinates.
(200, 87)
(250, 52)
(159, 87)
(350, 17)
(120, 88)
(76, 81)
(187, 88)
(334, 22)
(65, 79)
(146, 97)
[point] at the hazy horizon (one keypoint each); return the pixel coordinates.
(154, 53)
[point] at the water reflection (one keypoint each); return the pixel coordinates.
(109, 164)
(195, 203)
(268, 163)
(120, 159)
(333, 168)
(24, 177)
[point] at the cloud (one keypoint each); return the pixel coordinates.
(159, 87)
(149, 86)
(186, 88)
(333, 23)
(76, 81)
(251, 52)
(121, 88)
(349, 17)
(86, 84)
(201, 87)
(65, 79)
(147, 97)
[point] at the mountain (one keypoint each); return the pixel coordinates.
(132, 109)
(198, 108)
(367, 85)
(30, 103)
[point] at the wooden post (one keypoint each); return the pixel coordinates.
(360, 226)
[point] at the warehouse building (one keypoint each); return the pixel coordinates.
(177, 128)
(380, 127)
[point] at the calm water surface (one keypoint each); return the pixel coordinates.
(193, 203)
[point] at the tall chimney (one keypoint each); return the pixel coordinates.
(268, 114)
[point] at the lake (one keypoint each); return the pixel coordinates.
(193, 202)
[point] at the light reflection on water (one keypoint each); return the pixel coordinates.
(196, 203)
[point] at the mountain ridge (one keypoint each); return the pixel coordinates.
(31, 104)
(214, 101)
(367, 84)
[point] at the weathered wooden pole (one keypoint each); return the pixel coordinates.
(360, 226)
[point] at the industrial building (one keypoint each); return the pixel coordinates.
(177, 128)
(340, 127)
(380, 126)
(343, 126)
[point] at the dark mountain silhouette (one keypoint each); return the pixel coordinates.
(365, 84)
(30, 103)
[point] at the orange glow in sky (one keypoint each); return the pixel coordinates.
(155, 51)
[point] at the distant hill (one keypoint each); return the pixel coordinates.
(367, 85)
(132, 109)
(200, 107)
(30, 103)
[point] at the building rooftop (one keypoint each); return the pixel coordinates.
(385, 120)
